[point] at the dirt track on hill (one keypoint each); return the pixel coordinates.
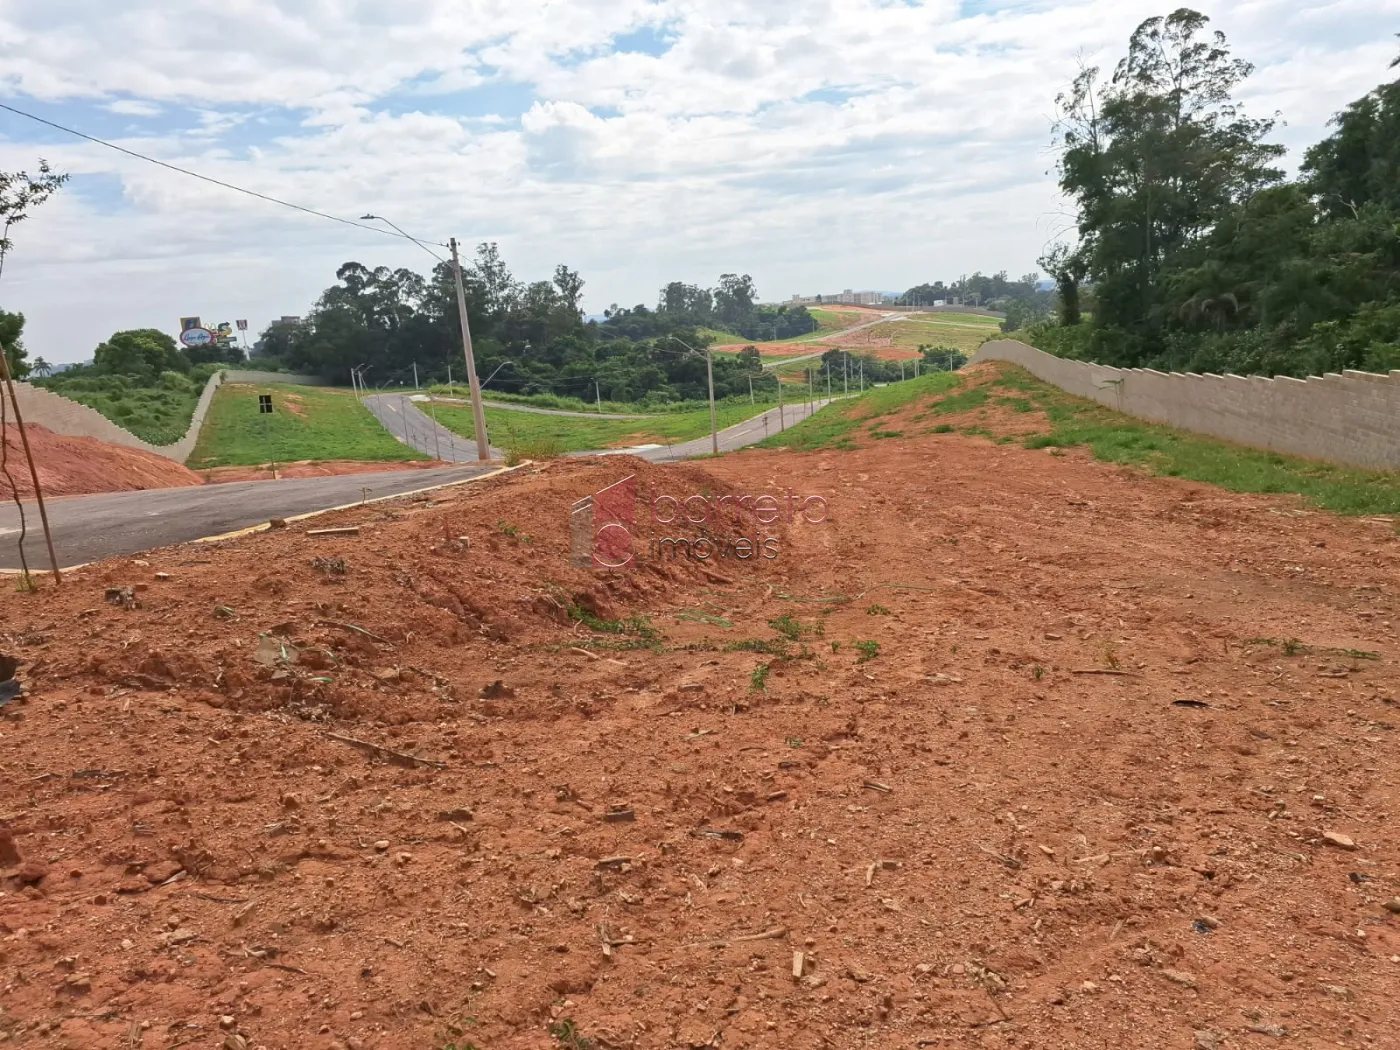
(1079, 797)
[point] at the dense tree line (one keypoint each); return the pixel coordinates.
(528, 338)
(1022, 300)
(1196, 251)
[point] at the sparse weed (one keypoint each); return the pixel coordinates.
(774, 646)
(1037, 672)
(793, 741)
(835, 647)
(697, 617)
(566, 1034)
(943, 428)
(877, 610)
(26, 584)
(758, 681)
(786, 625)
(506, 528)
(638, 625)
(868, 651)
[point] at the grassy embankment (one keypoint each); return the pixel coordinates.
(535, 436)
(1054, 420)
(307, 423)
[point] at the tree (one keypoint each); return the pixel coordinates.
(41, 368)
(751, 359)
(21, 191)
(1067, 268)
(1359, 163)
(569, 285)
(1154, 160)
(11, 330)
(143, 353)
(734, 298)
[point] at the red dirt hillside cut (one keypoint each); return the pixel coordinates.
(72, 466)
(1014, 751)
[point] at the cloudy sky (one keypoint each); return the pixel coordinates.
(817, 146)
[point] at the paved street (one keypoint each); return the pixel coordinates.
(731, 438)
(409, 424)
(87, 528)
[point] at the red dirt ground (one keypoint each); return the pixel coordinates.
(313, 469)
(71, 466)
(971, 838)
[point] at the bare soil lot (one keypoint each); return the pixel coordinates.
(1018, 749)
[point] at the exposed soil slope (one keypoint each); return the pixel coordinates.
(71, 466)
(1121, 772)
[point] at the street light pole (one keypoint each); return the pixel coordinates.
(714, 424)
(483, 447)
(710, 369)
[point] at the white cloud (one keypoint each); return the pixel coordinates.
(134, 108)
(832, 143)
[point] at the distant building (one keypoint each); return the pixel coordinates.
(285, 321)
(848, 296)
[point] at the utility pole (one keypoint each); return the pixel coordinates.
(354, 387)
(846, 374)
(781, 424)
(714, 424)
(415, 375)
(483, 447)
(828, 380)
(449, 378)
(901, 371)
(811, 402)
(750, 389)
(598, 396)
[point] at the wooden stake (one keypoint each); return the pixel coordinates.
(33, 472)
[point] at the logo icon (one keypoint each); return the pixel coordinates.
(602, 527)
(196, 337)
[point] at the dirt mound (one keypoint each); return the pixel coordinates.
(1011, 750)
(72, 466)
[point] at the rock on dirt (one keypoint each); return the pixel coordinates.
(9, 852)
(1340, 841)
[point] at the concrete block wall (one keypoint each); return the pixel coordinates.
(1352, 418)
(63, 416)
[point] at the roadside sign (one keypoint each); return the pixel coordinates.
(264, 403)
(186, 323)
(242, 325)
(196, 336)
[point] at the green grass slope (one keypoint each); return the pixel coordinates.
(307, 423)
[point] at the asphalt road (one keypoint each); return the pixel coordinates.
(730, 438)
(405, 421)
(87, 528)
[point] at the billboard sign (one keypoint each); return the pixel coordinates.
(196, 337)
(186, 323)
(242, 325)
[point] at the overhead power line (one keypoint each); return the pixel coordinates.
(216, 182)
